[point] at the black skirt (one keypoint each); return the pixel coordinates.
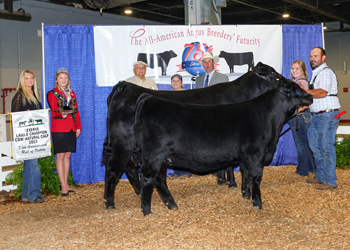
(64, 142)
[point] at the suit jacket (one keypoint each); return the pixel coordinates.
(58, 123)
(216, 78)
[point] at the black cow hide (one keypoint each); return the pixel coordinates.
(119, 143)
(209, 138)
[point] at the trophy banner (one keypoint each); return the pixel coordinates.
(31, 134)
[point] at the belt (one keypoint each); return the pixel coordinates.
(325, 111)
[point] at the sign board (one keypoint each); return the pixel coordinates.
(176, 49)
(31, 134)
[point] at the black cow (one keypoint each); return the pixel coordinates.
(208, 138)
(162, 59)
(119, 144)
(21, 124)
(233, 59)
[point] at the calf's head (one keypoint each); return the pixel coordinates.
(267, 72)
(293, 91)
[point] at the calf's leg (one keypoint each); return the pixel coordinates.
(256, 176)
(221, 177)
(163, 189)
(132, 172)
(148, 176)
(114, 170)
(245, 181)
(231, 177)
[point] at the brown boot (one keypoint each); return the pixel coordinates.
(325, 186)
(313, 181)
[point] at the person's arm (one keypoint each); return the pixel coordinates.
(16, 102)
(324, 84)
(77, 119)
(317, 93)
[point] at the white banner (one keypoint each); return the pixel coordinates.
(31, 134)
(174, 49)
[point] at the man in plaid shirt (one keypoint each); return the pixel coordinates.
(324, 89)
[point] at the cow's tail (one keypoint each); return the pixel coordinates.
(107, 146)
(137, 127)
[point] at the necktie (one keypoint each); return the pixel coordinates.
(206, 82)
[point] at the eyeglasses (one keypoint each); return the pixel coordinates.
(141, 67)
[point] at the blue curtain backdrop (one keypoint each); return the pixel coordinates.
(72, 47)
(298, 40)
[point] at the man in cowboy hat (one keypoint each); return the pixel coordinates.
(211, 76)
(139, 78)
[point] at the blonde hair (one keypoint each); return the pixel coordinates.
(56, 83)
(22, 89)
(302, 66)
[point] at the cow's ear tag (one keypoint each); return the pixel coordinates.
(296, 93)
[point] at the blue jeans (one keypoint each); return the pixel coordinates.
(31, 180)
(322, 139)
(306, 159)
(180, 173)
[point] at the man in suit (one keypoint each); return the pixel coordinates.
(211, 76)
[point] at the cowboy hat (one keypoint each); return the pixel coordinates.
(207, 55)
(138, 63)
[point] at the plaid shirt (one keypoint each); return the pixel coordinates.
(326, 80)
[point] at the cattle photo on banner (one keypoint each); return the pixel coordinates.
(170, 50)
(31, 134)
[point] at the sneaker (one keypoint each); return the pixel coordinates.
(325, 186)
(313, 181)
(38, 200)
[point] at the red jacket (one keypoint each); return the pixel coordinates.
(58, 123)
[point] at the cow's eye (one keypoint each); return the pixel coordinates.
(296, 93)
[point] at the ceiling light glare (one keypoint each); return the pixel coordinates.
(127, 11)
(285, 15)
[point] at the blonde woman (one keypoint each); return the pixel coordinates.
(306, 160)
(27, 98)
(65, 127)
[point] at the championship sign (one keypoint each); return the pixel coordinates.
(31, 134)
(177, 49)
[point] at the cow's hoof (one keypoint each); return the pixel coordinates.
(234, 185)
(171, 205)
(221, 182)
(257, 207)
(147, 213)
(246, 196)
(110, 205)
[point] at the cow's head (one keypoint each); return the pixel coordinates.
(172, 54)
(293, 91)
(267, 72)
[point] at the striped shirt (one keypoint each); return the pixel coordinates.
(326, 80)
